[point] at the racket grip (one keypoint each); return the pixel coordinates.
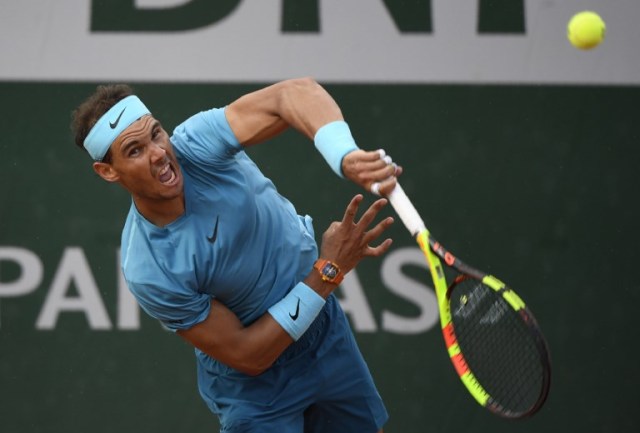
(406, 211)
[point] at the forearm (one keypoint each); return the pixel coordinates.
(261, 343)
(306, 106)
(300, 103)
(249, 349)
(258, 346)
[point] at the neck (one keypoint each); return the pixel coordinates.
(160, 212)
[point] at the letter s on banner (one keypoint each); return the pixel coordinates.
(412, 291)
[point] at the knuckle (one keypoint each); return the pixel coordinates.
(364, 176)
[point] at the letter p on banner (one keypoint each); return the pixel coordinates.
(30, 274)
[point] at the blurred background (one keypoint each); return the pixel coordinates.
(519, 150)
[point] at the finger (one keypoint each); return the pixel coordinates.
(367, 162)
(369, 166)
(378, 250)
(375, 188)
(379, 175)
(352, 209)
(384, 158)
(379, 228)
(372, 155)
(387, 186)
(370, 214)
(379, 171)
(383, 184)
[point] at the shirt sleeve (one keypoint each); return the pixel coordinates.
(176, 308)
(206, 137)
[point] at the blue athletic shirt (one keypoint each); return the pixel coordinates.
(239, 241)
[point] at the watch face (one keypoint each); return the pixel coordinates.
(329, 271)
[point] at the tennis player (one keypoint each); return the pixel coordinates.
(211, 250)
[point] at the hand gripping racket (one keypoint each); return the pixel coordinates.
(493, 340)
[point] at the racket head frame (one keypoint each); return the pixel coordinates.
(434, 252)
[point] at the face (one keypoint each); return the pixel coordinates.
(144, 163)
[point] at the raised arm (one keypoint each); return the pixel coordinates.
(306, 106)
(300, 103)
(255, 348)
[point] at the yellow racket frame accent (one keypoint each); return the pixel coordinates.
(437, 274)
(434, 254)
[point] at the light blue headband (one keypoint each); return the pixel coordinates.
(111, 124)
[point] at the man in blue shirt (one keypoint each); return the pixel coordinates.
(214, 252)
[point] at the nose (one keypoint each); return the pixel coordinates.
(157, 153)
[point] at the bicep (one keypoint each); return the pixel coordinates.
(299, 103)
(249, 349)
(255, 116)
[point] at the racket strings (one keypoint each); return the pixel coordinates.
(499, 347)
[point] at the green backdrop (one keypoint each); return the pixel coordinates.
(537, 184)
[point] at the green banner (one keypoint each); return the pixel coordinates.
(534, 184)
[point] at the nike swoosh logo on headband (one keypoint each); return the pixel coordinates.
(114, 124)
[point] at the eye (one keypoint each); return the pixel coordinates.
(135, 151)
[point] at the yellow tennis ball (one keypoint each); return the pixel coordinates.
(586, 30)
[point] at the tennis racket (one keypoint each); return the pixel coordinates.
(493, 340)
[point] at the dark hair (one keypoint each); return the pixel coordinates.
(93, 108)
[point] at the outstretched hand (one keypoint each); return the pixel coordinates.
(372, 170)
(346, 242)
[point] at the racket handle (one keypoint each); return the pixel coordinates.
(406, 211)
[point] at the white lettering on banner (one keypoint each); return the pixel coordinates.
(413, 291)
(30, 272)
(150, 4)
(354, 303)
(358, 41)
(74, 271)
(128, 311)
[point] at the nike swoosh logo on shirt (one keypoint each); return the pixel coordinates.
(214, 236)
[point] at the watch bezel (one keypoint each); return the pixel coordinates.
(328, 271)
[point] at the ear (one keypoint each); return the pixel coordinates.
(106, 171)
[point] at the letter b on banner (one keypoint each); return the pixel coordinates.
(124, 16)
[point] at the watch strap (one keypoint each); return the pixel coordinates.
(329, 271)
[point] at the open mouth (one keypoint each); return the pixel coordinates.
(167, 175)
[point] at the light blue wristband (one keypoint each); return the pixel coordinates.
(296, 311)
(334, 141)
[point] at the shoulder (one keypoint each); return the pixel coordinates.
(136, 252)
(164, 286)
(206, 136)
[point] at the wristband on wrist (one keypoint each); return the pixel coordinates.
(296, 311)
(334, 141)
